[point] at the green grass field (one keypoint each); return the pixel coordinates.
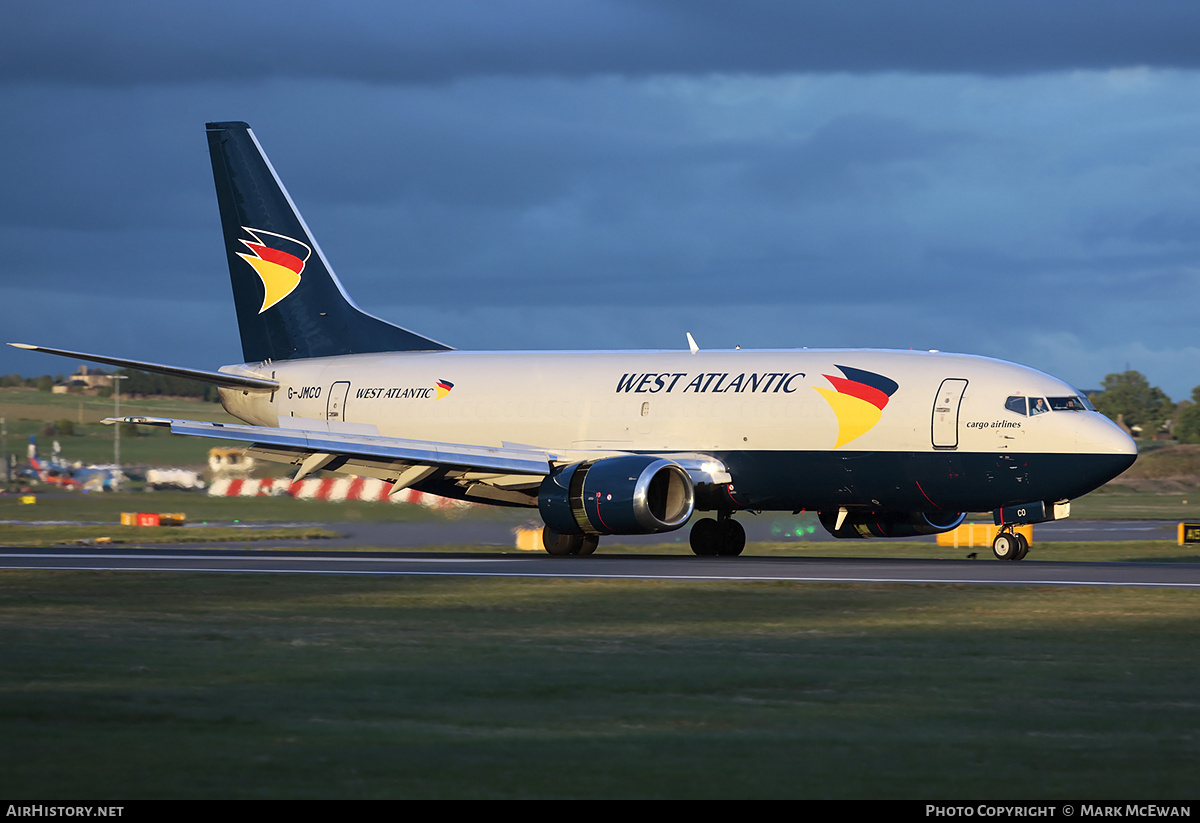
(136, 685)
(26, 412)
(1119, 503)
(31, 535)
(30, 404)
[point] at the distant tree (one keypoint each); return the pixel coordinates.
(1131, 396)
(1187, 419)
(45, 383)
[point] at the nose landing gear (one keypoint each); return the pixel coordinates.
(1010, 545)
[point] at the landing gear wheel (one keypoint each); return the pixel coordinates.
(731, 538)
(564, 545)
(558, 545)
(710, 538)
(704, 537)
(588, 544)
(1005, 546)
(1022, 546)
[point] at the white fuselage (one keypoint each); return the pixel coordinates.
(675, 401)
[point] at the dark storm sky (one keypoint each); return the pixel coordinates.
(1014, 179)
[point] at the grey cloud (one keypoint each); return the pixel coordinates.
(140, 42)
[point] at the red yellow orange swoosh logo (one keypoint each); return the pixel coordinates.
(278, 269)
(858, 399)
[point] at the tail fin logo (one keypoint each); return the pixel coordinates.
(443, 388)
(858, 400)
(278, 260)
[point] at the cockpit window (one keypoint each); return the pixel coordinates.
(1039, 405)
(1072, 403)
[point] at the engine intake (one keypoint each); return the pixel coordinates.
(617, 495)
(891, 524)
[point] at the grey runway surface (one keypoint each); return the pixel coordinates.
(401, 556)
(500, 533)
(640, 567)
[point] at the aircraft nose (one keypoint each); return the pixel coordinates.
(1115, 449)
(1116, 440)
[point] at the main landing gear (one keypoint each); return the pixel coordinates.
(563, 545)
(724, 537)
(1010, 545)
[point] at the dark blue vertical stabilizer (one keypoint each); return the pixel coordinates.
(290, 304)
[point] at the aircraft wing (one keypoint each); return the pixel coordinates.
(488, 473)
(509, 473)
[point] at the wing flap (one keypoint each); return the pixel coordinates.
(379, 468)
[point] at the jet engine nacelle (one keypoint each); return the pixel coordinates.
(617, 495)
(891, 524)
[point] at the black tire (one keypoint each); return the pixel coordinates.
(731, 538)
(587, 544)
(703, 537)
(1022, 546)
(561, 545)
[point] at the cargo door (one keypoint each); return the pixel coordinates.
(336, 405)
(945, 413)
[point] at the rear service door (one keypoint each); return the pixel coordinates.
(945, 413)
(337, 400)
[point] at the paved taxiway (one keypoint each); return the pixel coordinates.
(641, 567)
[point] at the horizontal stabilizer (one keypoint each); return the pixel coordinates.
(216, 378)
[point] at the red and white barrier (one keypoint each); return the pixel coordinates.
(332, 489)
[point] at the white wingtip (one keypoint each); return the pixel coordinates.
(692, 343)
(22, 345)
